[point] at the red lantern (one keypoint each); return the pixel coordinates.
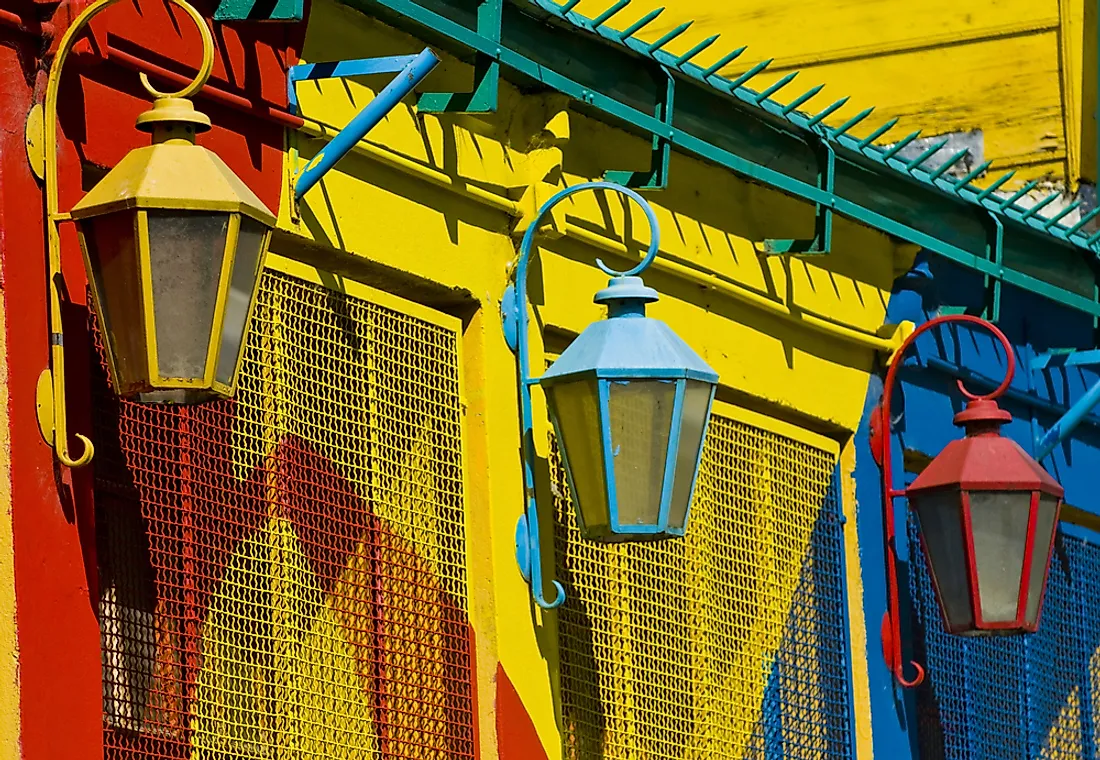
(987, 514)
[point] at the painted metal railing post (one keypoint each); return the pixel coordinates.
(486, 92)
(1064, 427)
(513, 309)
(384, 102)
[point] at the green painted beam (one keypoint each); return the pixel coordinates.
(259, 10)
(721, 125)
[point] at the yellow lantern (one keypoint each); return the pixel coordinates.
(174, 243)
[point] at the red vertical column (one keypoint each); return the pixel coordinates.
(58, 635)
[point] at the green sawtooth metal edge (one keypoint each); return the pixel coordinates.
(751, 99)
(423, 19)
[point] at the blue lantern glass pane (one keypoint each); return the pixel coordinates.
(1042, 543)
(999, 520)
(692, 427)
(640, 413)
(940, 516)
(575, 410)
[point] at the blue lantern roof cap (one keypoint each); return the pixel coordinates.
(626, 289)
(634, 347)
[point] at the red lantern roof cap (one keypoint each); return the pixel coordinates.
(982, 410)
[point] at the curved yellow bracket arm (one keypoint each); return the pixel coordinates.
(52, 417)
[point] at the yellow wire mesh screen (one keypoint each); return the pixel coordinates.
(282, 575)
(730, 643)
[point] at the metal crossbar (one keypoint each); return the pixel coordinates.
(810, 127)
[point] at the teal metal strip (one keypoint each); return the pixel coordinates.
(486, 92)
(707, 151)
(656, 178)
(995, 252)
(734, 88)
(822, 241)
(260, 10)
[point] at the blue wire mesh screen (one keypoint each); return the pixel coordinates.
(1009, 698)
(729, 643)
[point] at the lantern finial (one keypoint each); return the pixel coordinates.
(626, 296)
(173, 118)
(982, 416)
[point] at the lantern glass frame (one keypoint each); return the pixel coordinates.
(675, 488)
(162, 235)
(134, 352)
(963, 570)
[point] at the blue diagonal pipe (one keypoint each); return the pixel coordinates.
(366, 120)
(1065, 426)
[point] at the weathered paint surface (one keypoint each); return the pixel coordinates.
(53, 536)
(9, 645)
(1013, 69)
(401, 229)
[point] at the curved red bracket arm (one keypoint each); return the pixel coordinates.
(880, 423)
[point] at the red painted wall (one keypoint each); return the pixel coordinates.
(517, 738)
(60, 671)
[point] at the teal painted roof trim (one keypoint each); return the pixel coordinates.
(962, 190)
(764, 142)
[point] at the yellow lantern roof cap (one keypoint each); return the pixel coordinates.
(172, 175)
(173, 111)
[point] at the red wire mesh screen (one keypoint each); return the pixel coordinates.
(283, 575)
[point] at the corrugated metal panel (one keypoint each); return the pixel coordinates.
(1014, 697)
(283, 575)
(729, 643)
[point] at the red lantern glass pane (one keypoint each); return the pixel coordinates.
(110, 243)
(574, 407)
(999, 522)
(186, 252)
(640, 413)
(1042, 543)
(942, 534)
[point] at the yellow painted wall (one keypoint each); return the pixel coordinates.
(1012, 68)
(430, 208)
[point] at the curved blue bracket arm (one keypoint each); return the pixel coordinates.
(514, 314)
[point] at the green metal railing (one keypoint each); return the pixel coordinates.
(723, 122)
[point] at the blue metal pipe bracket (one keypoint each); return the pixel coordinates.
(411, 69)
(1080, 410)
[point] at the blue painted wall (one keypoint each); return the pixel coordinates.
(923, 409)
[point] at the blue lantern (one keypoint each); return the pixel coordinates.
(630, 402)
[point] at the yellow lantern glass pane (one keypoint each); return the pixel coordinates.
(574, 407)
(1040, 554)
(999, 520)
(641, 420)
(692, 427)
(242, 283)
(186, 250)
(111, 247)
